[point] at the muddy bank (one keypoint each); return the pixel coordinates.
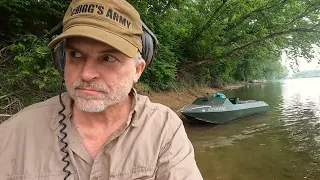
(176, 99)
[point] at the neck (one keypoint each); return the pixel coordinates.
(112, 116)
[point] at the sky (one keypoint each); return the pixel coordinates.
(303, 64)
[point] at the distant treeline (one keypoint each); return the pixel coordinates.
(306, 74)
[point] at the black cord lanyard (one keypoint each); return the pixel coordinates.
(64, 136)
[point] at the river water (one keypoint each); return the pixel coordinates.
(281, 144)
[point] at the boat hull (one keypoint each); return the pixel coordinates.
(223, 114)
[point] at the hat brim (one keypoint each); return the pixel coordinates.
(98, 34)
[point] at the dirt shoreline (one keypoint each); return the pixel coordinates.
(176, 99)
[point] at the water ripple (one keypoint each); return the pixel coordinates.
(222, 141)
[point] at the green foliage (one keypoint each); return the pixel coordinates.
(161, 75)
(31, 16)
(209, 42)
(33, 66)
(25, 65)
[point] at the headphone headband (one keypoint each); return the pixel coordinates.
(150, 32)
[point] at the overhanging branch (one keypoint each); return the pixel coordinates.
(207, 24)
(272, 35)
(243, 18)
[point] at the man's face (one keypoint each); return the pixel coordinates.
(97, 75)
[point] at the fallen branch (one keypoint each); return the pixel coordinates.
(5, 115)
(5, 107)
(5, 60)
(6, 95)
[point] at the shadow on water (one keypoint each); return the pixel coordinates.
(281, 144)
(194, 123)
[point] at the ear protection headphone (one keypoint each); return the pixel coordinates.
(149, 49)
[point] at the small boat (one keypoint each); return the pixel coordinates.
(258, 81)
(220, 110)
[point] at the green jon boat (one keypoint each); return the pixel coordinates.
(220, 110)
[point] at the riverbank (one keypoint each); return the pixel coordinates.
(176, 99)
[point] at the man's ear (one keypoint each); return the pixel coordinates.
(139, 69)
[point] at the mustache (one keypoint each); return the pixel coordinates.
(90, 85)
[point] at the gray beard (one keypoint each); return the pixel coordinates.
(99, 103)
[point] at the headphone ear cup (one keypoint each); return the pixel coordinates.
(58, 56)
(148, 48)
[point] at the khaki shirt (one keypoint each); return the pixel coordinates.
(153, 144)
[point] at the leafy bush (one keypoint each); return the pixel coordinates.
(32, 65)
(207, 42)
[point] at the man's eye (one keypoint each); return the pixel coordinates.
(76, 54)
(108, 58)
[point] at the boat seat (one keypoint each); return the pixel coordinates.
(234, 100)
(248, 101)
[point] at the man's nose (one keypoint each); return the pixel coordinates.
(90, 70)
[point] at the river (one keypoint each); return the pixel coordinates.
(281, 144)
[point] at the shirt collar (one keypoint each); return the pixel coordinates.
(134, 108)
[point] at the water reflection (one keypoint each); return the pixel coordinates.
(301, 117)
(281, 144)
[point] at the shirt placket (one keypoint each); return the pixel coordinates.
(96, 172)
(76, 146)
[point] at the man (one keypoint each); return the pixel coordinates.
(101, 129)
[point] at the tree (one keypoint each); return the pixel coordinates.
(201, 41)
